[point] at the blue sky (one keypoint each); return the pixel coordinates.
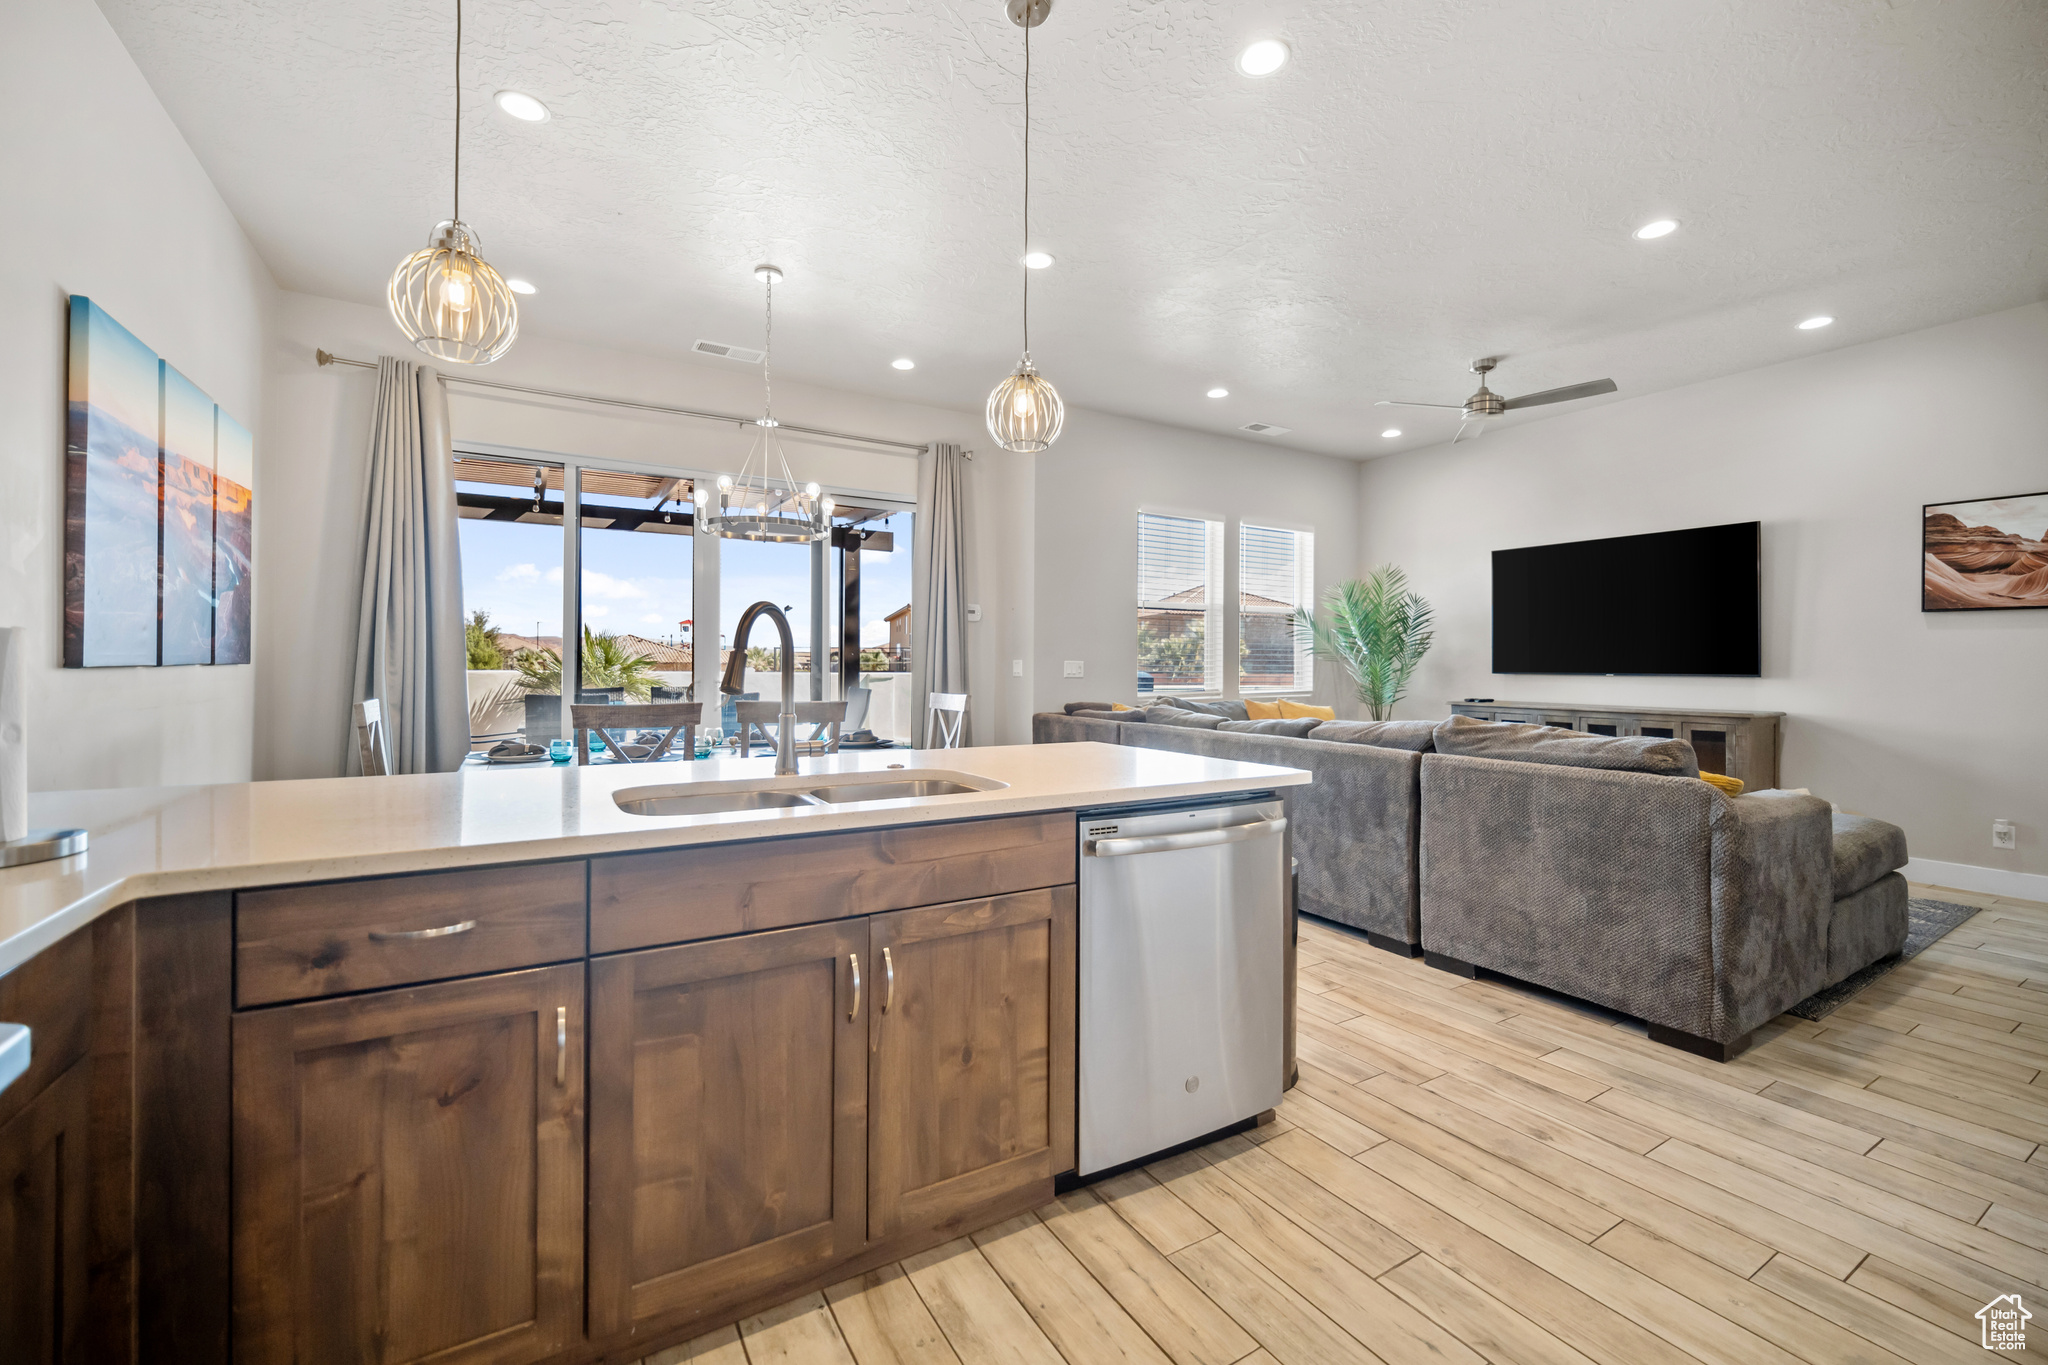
(641, 583)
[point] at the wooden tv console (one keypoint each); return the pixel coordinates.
(1740, 744)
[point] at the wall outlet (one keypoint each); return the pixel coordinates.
(973, 611)
(1073, 669)
(2004, 834)
(1016, 668)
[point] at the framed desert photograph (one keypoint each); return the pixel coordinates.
(1987, 555)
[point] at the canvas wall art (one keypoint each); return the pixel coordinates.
(1987, 555)
(157, 509)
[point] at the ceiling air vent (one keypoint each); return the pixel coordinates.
(725, 352)
(1258, 428)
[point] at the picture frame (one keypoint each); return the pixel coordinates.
(1985, 554)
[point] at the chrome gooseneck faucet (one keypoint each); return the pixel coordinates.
(734, 681)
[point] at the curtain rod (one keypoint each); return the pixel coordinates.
(329, 358)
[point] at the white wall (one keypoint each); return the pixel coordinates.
(1936, 721)
(103, 198)
(1090, 488)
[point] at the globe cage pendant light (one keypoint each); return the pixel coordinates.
(1025, 412)
(757, 505)
(446, 298)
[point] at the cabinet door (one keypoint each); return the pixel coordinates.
(971, 1078)
(44, 1196)
(408, 1175)
(728, 1120)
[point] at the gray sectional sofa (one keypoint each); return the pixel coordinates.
(1599, 867)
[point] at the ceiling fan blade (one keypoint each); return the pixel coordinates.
(1563, 395)
(1471, 430)
(1397, 403)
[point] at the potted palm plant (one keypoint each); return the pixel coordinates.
(1378, 629)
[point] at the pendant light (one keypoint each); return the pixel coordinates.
(1025, 412)
(445, 297)
(758, 505)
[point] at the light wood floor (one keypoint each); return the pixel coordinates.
(1472, 1173)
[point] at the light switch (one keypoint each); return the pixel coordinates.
(1016, 668)
(1074, 668)
(973, 611)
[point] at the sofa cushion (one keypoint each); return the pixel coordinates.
(1075, 706)
(1222, 710)
(1416, 736)
(1469, 738)
(1118, 716)
(1174, 715)
(1297, 728)
(1865, 849)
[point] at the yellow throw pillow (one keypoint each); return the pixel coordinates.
(1731, 785)
(1264, 710)
(1294, 710)
(1119, 706)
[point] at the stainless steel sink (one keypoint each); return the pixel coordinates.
(792, 793)
(841, 793)
(685, 802)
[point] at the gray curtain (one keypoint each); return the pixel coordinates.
(410, 652)
(938, 635)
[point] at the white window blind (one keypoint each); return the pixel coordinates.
(1180, 599)
(1276, 572)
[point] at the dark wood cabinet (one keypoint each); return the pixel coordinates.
(408, 1175)
(728, 1121)
(44, 1208)
(971, 1067)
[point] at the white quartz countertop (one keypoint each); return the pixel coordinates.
(158, 841)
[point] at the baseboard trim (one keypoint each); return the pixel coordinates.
(1984, 881)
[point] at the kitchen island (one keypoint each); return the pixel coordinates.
(487, 1067)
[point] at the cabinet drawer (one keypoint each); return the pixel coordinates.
(299, 942)
(52, 994)
(638, 900)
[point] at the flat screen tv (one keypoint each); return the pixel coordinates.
(1674, 602)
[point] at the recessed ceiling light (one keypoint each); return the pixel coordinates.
(1815, 324)
(519, 286)
(1650, 232)
(1390, 433)
(1037, 260)
(523, 107)
(1263, 58)
(1219, 393)
(906, 363)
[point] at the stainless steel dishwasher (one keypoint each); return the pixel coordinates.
(1183, 954)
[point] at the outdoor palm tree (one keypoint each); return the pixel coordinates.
(606, 663)
(1378, 630)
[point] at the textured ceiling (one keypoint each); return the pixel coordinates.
(1428, 181)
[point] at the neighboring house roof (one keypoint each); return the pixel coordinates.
(657, 653)
(1199, 596)
(903, 610)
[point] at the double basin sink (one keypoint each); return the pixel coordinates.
(787, 793)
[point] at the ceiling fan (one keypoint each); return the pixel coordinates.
(1485, 405)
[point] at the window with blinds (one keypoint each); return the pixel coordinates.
(1180, 598)
(1275, 574)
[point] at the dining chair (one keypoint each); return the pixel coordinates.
(858, 699)
(752, 716)
(601, 718)
(945, 718)
(373, 741)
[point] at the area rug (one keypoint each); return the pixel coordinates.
(1927, 922)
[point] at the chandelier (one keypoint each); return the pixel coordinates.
(758, 505)
(1025, 412)
(446, 298)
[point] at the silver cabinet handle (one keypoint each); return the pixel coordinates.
(561, 1045)
(888, 980)
(854, 958)
(15, 1051)
(1200, 838)
(400, 935)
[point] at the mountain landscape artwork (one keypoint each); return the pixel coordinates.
(157, 509)
(1987, 555)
